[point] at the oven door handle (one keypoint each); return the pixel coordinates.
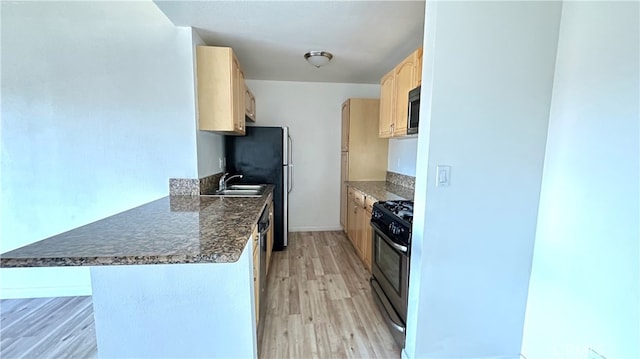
(389, 241)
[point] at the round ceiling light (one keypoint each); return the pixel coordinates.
(318, 58)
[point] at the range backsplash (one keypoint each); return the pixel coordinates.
(401, 180)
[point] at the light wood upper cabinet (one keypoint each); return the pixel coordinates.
(394, 95)
(345, 126)
(249, 104)
(417, 81)
(386, 105)
(404, 76)
(238, 89)
(221, 89)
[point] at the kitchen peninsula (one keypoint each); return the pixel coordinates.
(171, 278)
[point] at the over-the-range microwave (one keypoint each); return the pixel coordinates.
(414, 111)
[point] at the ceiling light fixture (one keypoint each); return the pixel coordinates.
(318, 58)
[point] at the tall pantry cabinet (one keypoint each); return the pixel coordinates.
(364, 154)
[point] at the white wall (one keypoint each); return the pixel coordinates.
(210, 145)
(402, 155)
(489, 71)
(312, 110)
(97, 115)
(584, 290)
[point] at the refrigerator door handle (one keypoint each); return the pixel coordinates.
(290, 175)
(290, 149)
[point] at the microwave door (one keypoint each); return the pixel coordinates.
(413, 116)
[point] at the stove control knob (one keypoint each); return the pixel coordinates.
(395, 229)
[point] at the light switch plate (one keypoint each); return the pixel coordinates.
(443, 176)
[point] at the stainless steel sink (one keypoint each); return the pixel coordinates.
(257, 187)
(240, 190)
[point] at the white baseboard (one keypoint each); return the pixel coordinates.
(404, 355)
(315, 229)
(44, 292)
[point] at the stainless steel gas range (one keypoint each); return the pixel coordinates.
(391, 223)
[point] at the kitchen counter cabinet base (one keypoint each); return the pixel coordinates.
(175, 310)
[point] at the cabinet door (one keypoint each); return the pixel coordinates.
(386, 105)
(270, 236)
(345, 126)
(253, 106)
(417, 81)
(249, 104)
(344, 168)
(351, 216)
(404, 81)
(359, 242)
(367, 240)
(238, 100)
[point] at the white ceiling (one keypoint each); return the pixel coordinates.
(367, 38)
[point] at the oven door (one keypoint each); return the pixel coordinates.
(390, 269)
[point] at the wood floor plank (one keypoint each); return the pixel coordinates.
(294, 296)
(327, 260)
(20, 309)
(336, 288)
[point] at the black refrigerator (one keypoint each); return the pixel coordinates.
(263, 155)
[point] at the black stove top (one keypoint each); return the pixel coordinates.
(402, 209)
(394, 218)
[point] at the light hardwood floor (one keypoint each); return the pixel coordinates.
(47, 328)
(319, 305)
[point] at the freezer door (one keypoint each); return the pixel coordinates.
(285, 202)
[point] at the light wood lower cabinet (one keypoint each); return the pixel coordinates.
(256, 271)
(367, 247)
(358, 224)
(270, 235)
(351, 215)
(344, 168)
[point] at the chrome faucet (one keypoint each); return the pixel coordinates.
(222, 185)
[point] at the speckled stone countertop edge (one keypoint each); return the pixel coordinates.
(230, 255)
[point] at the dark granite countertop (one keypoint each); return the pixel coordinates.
(381, 190)
(175, 229)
